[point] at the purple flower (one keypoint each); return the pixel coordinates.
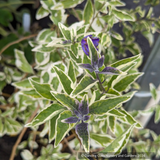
(90, 43)
(80, 113)
(98, 64)
(94, 67)
(84, 44)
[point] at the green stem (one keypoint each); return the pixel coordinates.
(95, 16)
(100, 83)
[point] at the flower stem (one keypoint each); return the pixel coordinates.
(100, 83)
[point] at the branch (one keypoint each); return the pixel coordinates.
(17, 41)
(6, 106)
(73, 131)
(21, 134)
(95, 16)
(6, 95)
(66, 141)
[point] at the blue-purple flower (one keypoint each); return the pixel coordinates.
(96, 62)
(81, 114)
(84, 43)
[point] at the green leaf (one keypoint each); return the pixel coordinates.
(86, 60)
(66, 100)
(21, 62)
(12, 126)
(85, 84)
(71, 72)
(88, 12)
(47, 4)
(157, 114)
(24, 84)
(43, 48)
(52, 127)
(14, 123)
(124, 65)
(134, 48)
(42, 58)
(125, 61)
(116, 112)
(2, 76)
(105, 40)
(61, 155)
(122, 15)
(42, 89)
(130, 120)
(26, 155)
(126, 81)
(116, 35)
(32, 93)
(70, 4)
(42, 35)
(62, 128)
(102, 106)
(65, 31)
(6, 17)
(119, 129)
(117, 3)
(82, 30)
(83, 134)
(46, 114)
(153, 91)
(112, 91)
(58, 16)
(119, 143)
(41, 13)
(64, 80)
(55, 83)
(112, 123)
(92, 51)
(74, 48)
(73, 57)
(149, 36)
(113, 112)
(104, 140)
(45, 77)
(3, 32)
(1, 127)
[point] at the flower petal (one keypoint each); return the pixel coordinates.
(83, 106)
(95, 41)
(84, 43)
(85, 118)
(87, 66)
(78, 114)
(85, 49)
(111, 70)
(83, 134)
(101, 61)
(70, 120)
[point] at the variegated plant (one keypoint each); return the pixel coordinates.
(82, 98)
(76, 81)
